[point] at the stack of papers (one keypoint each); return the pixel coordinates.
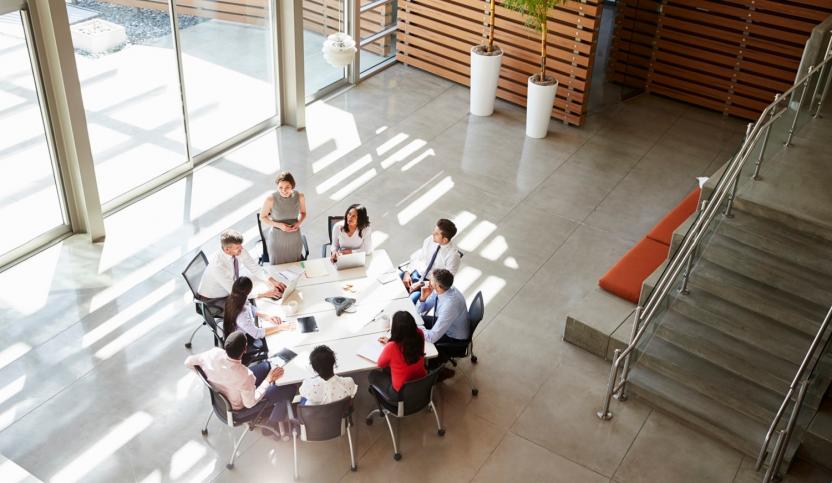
(315, 268)
(371, 350)
(388, 277)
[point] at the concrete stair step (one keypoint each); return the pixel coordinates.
(782, 216)
(757, 297)
(770, 270)
(727, 352)
(817, 441)
(735, 429)
(710, 380)
(780, 241)
(763, 333)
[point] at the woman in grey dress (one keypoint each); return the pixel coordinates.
(284, 211)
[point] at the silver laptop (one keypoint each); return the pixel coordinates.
(352, 260)
(291, 285)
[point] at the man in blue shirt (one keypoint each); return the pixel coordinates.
(449, 324)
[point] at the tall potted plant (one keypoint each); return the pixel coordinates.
(541, 88)
(485, 69)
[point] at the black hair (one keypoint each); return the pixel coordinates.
(447, 228)
(322, 360)
(443, 278)
(235, 345)
(234, 304)
(404, 332)
(363, 218)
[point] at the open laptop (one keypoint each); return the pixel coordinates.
(291, 285)
(352, 260)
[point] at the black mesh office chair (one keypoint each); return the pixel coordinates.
(193, 276)
(231, 418)
(257, 349)
(414, 397)
(322, 423)
(264, 257)
(461, 351)
(330, 222)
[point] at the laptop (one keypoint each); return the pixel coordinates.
(291, 285)
(352, 260)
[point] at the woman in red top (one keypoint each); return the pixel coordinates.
(403, 356)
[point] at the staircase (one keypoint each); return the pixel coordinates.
(723, 356)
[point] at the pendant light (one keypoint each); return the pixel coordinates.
(339, 48)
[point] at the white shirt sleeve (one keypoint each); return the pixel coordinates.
(367, 240)
(336, 236)
(246, 322)
(418, 262)
(218, 277)
(251, 265)
(453, 261)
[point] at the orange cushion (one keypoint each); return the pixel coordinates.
(663, 231)
(626, 276)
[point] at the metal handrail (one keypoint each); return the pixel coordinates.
(643, 315)
(798, 384)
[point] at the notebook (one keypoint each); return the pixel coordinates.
(307, 324)
(371, 350)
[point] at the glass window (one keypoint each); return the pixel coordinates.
(228, 64)
(320, 19)
(374, 21)
(130, 86)
(30, 197)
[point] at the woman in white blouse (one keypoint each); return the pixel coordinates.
(353, 234)
(240, 314)
(326, 387)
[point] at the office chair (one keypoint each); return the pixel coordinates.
(231, 418)
(322, 423)
(330, 221)
(264, 257)
(414, 397)
(462, 351)
(193, 276)
(257, 349)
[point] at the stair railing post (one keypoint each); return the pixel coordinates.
(684, 288)
(828, 80)
(625, 371)
(797, 111)
(605, 414)
(759, 161)
(770, 471)
(733, 193)
(785, 434)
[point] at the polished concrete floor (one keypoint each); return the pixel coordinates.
(92, 386)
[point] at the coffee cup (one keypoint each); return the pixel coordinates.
(289, 308)
(385, 321)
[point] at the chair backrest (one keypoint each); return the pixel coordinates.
(325, 421)
(216, 326)
(331, 221)
(194, 271)
(264, 258)
(415, 395)
(305, 253)
(221, 405)
(475, 314)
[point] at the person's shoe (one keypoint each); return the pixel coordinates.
(445, 373)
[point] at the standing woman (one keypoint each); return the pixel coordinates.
(284, 211)
(353, 234)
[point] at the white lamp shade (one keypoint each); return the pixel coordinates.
(339, 49)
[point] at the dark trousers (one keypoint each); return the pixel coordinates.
(275, 397)
(381, 378)
(446, 341)
(414, 277)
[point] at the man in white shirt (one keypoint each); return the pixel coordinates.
(326, 387)
(249, 390)
(224, 269)
(438, 251)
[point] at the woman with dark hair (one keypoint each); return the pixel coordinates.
(403, 356)
(240, 314)
(284, 211)
(353, 234)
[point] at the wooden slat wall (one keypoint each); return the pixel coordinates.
(437, 35)
(731, 56)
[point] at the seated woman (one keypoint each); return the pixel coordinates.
(353, 234)
(326, 387)
(240, 314)
(403, 356)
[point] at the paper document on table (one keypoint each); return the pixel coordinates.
(388, 277)
(371, 350)
(315, 268)
(289, 274)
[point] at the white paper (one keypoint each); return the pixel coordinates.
(371, 350)
(315, 268)
(387, 277)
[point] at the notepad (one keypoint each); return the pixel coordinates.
(315, 268)
(387, 277)
(371, 350)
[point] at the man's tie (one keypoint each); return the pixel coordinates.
(430, 264)
(236, 268)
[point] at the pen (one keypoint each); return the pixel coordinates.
(376, 316)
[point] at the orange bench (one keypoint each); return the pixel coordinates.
(625, 278)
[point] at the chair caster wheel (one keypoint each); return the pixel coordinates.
(353, 468)
(397, 456)
(205, 432)
(230, 466)
(369, 421)
(475, 392)
(187, 345)
(473, 359)
(441, 432)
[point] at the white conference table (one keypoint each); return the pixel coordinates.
(344, 334)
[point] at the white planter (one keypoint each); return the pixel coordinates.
(97, 36)
(540, 100)
(485, 72)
